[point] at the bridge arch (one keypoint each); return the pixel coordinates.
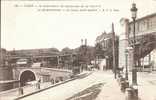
(26, 76)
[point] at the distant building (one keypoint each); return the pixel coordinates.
(3, 54)
(5, 71)
(104, 50)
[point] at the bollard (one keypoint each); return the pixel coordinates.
(21, 91)
(118, 77)
(121, 80)
(126, 84)
(52, 81)
(122, 88)
(129, 94)
(38, 85)
(135, 91)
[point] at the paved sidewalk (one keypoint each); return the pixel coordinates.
(111, 91)
(146, 88)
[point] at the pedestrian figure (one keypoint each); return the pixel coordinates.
(38, 84)
(52, 81)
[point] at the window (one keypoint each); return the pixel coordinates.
(154, 23)
(138, 25)
(129, 29)
(147, 22)
(150, 24)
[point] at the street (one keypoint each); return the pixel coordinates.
(100, 86)
(68, 90)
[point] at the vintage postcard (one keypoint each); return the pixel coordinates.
(78, 50)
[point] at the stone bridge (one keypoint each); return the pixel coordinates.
(26, 74)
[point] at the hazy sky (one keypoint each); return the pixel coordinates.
(28, 28)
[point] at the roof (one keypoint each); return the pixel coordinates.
(103, 36)
(147, 16)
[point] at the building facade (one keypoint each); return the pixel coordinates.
(104, 50)
(3, 54)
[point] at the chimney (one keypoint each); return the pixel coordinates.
(81, 41)
(85, 41)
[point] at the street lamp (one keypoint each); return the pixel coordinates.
(134, 71)
(126, 73)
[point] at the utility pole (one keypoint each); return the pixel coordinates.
(0, 51)
(113, 40)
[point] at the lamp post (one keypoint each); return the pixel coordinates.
(126, 73)
(0, 51)
(134, 71)
(107, 63)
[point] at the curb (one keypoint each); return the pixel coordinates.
(57, 84)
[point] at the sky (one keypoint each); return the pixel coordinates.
(24, 27)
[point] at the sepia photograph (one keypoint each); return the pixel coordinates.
(78, 50)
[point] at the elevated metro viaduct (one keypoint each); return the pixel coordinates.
(145, 38)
